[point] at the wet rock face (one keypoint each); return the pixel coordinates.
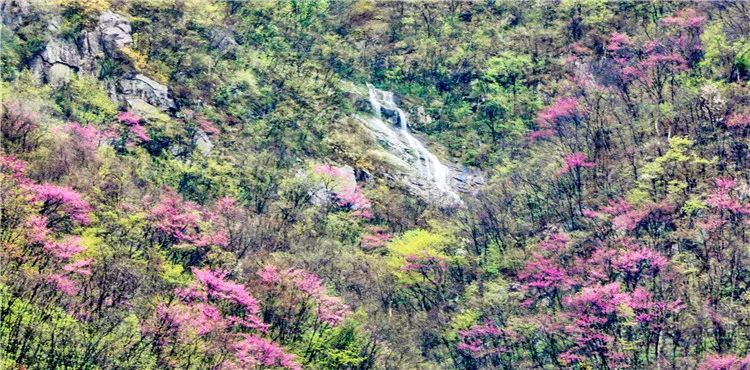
(411, 162)
(467, 181)
(406, 161)
(392, 116)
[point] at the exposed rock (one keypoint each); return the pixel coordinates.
(114, 31)
(404, 155)
(362, 175)
(13, 12)
(404, 160)
(203, 142)
(362, 105)
(59, 73)
(224, 41)
(142, 87)
(61, 58)
(468, 181)
(422, 117)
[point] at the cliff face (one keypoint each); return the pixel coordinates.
(62, 56)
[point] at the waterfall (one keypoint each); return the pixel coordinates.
(431, 176)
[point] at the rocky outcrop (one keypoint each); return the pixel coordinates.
(145, 89)
(114, 32)
(203, 142)
(422, 117)
(467, 181)
(14, 12)
(223, 41)
(61, 58)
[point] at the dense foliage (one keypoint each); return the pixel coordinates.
(613, 229)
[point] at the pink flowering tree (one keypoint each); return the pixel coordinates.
(129, 131)
(542, 279)
(254, 352)
(560, 118)
(46, 256)
(60, 204)
(725, 362)
(623, 215)
(223, 317)
(375, 237)
(488, 345)
(343, 187)
(738, 121)
(299, 298)
(652, 63)
(180, 222)
(82, 141)
(599, 292)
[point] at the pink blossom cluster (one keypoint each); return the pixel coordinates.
(686, 18)
(60, 255)
(216, 286)
(60, 202)
(485, 340)
(625, 216)
(562, 110)
(722, 198)
(589, 290)
(87, 138)
(13, 167)
(253, 352)
(302, 285)
(348, 194)
(618, 41)
(574, 161)
(207, 126)
(666, 55)
(555, 242)
(597, 307)
(542, 277)
(375, 237)
(133, 124)
(199, 312)
(725, 362)
(187, 222)
(634, 261)
(738, 121)
(540, 134)
(58, 265)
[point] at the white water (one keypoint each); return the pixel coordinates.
(432, 175)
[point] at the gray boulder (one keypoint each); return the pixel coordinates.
(146, 89)
(203, 142)
(114, 32)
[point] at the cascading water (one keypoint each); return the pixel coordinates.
(432, 176)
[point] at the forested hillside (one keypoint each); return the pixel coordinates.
(356, 184)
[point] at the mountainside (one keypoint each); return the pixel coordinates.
(356, 184)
